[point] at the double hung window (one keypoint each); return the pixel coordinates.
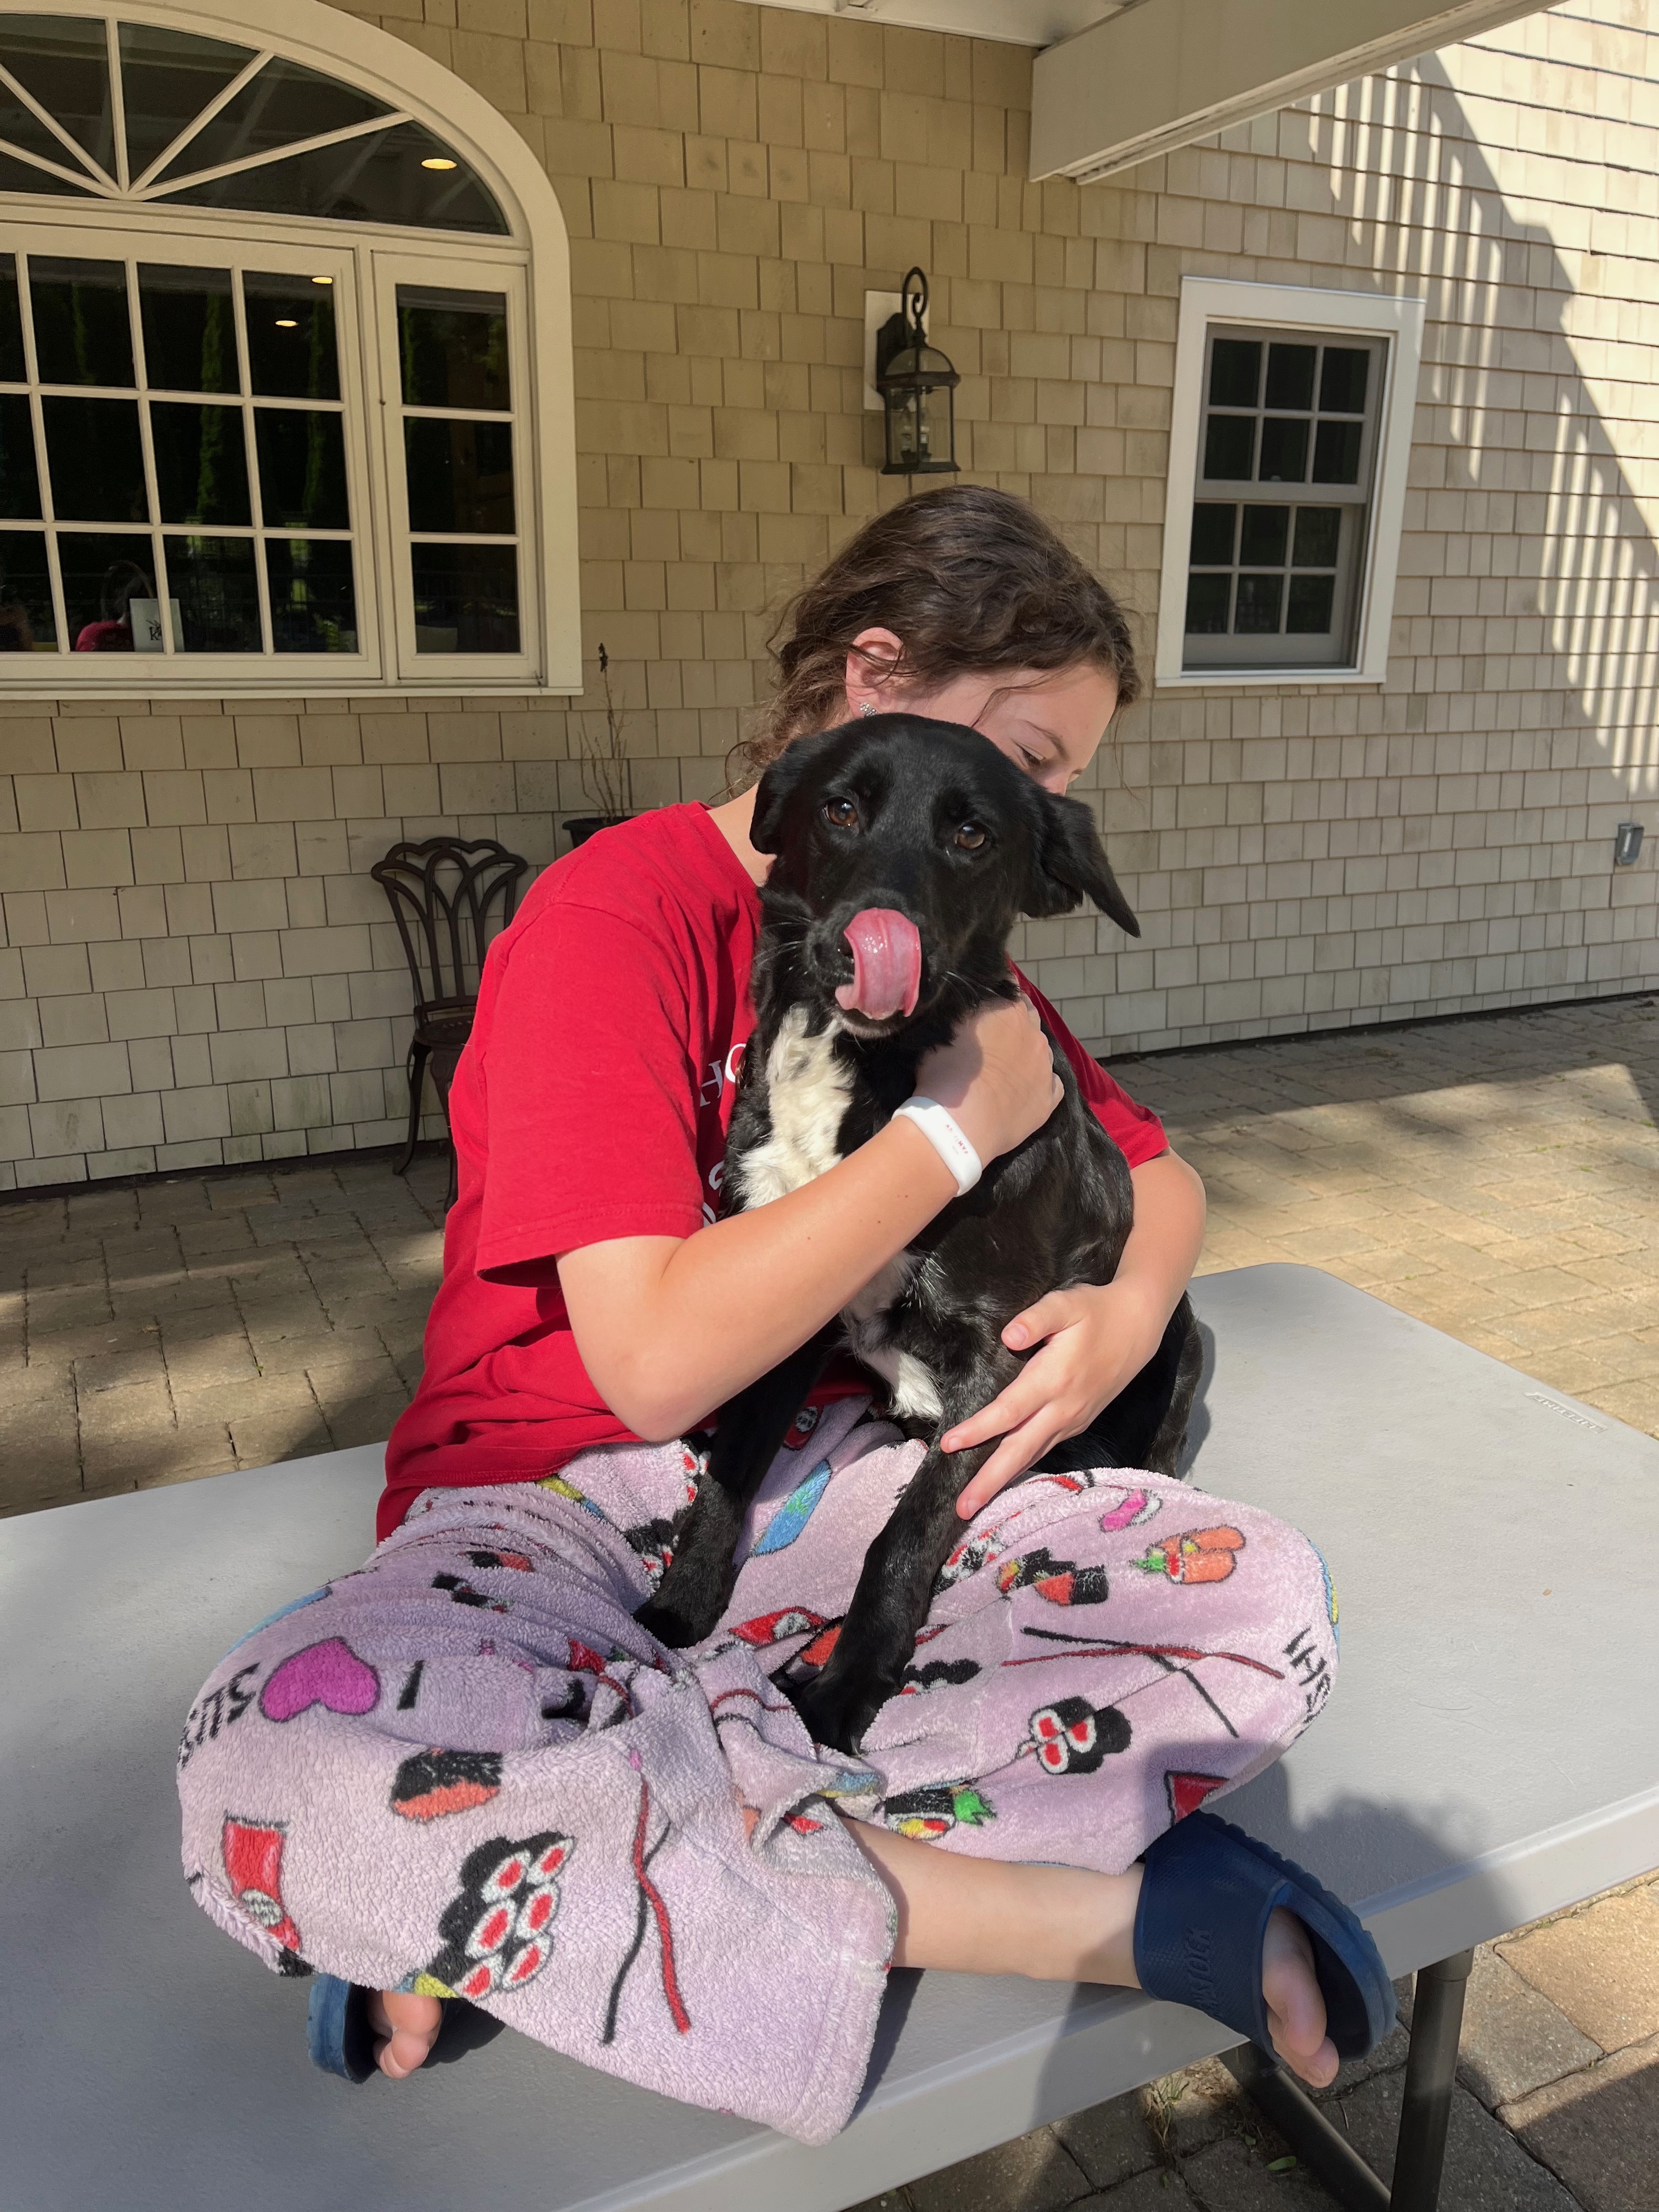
(1287, 474)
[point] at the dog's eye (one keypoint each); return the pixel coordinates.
(841, 812)
(969, 838)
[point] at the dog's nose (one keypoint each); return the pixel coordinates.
(887, 964)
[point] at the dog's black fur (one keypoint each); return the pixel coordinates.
(1054, 1213)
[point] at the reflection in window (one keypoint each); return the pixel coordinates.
(1279, 526)
(27, 624)
(458, 467)
(239, 446)
(384, 167)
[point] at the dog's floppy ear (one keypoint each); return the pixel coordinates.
(779, 782)
(1069, 862)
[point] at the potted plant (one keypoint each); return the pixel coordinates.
(606, 778)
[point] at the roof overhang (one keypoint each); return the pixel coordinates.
(1160, 73)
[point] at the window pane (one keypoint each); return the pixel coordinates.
(1266, 530)
(1343, 380)
(1284, 450)
(1318, 533)
(1259, 599)
(215, 595)
(291, 349)
(382, 177)
(96, 460)
(82, 333)
(63, 61)
(1229, 448)
(20, 487)
(21, 127)
(453, 348)
(460, 474)
(467, 599)
(1336, 453)
(19, 177)
(303, 479)
(27, 622)
(1207, 606)
(1290, 375)
(1212, 535)
(313, 607)
(11, 323)
(190, 329)
(1311, 600)
(102, 576)
(285, 102)
(1235, 372)
(201, 469)
(167, 78)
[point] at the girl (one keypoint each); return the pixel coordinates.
(638, 1856)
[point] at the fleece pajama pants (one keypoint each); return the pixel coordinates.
(464, 1769)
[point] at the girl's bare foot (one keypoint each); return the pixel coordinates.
(408, 2025)
(1296, 2010)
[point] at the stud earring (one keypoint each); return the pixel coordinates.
(865, 707)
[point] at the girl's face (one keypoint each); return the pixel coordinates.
(1049, 723)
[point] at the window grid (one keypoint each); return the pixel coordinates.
(246, 402)
(1253, 601)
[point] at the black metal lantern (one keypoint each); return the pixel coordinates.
(918, 387)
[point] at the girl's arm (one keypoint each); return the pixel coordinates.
(669, 1328)
(1098, 1338)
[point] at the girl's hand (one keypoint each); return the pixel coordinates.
(996, 1076)
(1093, 1340)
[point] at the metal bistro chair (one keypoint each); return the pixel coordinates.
(444, 891)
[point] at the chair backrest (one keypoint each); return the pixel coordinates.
(445, 894)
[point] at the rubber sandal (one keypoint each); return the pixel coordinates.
(1206, 1895)
(338, 2031)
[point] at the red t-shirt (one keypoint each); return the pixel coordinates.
(591, 1102)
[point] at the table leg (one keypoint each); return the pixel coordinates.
(1425, 2111)
(1430, 2075)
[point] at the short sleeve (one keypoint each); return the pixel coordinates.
(585, 1086)
(1136, 1129)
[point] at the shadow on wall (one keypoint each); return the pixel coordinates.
(1557, 528)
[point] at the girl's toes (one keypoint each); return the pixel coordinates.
(1296, 2009)
(409, 2025)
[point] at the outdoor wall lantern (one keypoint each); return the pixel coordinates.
(1626, 844)
(918, 387)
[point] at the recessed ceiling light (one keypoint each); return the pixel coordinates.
(322, 280)
(437, 161)
(286, 323)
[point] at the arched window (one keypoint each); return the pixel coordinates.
(284, 364)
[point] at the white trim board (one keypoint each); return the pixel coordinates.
(1206, 299)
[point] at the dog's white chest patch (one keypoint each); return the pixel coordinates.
(807, 1088)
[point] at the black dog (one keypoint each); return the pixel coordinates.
(906, 851)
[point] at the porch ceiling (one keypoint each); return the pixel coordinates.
(1158, 74)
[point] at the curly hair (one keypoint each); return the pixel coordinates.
(969, 580)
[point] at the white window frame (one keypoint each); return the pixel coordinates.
(532, 265)
(1291, 308)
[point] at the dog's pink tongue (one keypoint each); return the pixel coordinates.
(887, 964)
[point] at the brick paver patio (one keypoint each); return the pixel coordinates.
(1499, 1178)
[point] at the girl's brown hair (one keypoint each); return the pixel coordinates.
(969, 580)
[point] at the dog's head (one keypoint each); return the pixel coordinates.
(906, 851)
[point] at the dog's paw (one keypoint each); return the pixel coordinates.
(837, 1713)
(670, 1624)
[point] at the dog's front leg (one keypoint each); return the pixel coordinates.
(890, 1606)
(697, 1588)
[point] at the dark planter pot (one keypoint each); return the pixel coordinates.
(578, 827)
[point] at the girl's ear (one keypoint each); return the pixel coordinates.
(777, 785)
(1069, 864)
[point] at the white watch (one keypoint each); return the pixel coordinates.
(944, 1132)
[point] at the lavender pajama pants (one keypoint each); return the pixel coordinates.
(464, 1769)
